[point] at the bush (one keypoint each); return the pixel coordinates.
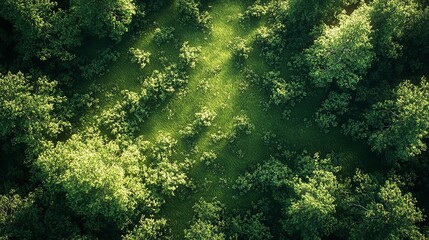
(140, 57)
(254, 11)
(190, 13)
(98, 66)
(271, 43)
(335, 105)
(189, 55)
(163, 147)
(248, 227)
(126, 116)
(208, 158)
(241, 125)
(282, 91)
(203, 119)
(164, 35)
(149, 229)
(207, 222)
(240, 50)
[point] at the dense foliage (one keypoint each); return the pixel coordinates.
(190, 119)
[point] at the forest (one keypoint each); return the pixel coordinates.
(216, 119)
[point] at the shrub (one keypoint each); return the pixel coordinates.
(190, 13)
(208, 158)
(218, 136)
(164, 35)
(140, 57)
(126, 116)
(240, 50)
(203, 119)
(254, 11)
(149, 228)
(98, 66)
(241, 125)
(271, 43)
(335, 105)
(189, 55)
(283, 91)
(207, 222)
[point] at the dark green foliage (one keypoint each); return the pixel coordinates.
(128, 114)
(311, 214)
(35, 216)
(19, 217)
(105, 18)
(415, 42)
(254, 11)
(240, 50)
(335, 105)
(311, 210)
(100, 182)
(98, 66)
(42, 33)
(98, 156)
(310, 13)
(398, 126)
(207, 222)
(190, 13)
(268, 176)
(241, 126)
(164, 35)
(27, 109)
(208, 158)
(383, 211)
(104, 182)
(390, 19)
(316, 202)
(271, 43)
(283, 92)
(248, 227)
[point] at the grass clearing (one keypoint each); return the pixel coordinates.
(228, 95)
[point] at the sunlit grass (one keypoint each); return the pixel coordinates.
(227, 94)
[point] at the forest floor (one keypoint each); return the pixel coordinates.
(228, 94)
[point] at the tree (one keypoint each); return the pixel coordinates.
(19, 217)
(27, 110)
(42, 31)
(283, 91)
(190, 13)
(101, 182)
(313, 12)
(335, 105)
(343, 53)
(35, 216)
(383, 212)
(398, 126)
(207, 221)
(312, 211)
(390, 19)
(248, 227)
(148, 228)
(104, 18)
